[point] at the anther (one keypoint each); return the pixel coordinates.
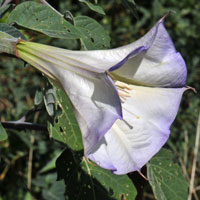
(123, 96)
(122, 85)
(123, 89)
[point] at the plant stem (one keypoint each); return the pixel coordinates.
(194, 160)
(24, 125)
(30, 157)
(30, 160)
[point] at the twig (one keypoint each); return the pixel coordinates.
(195, 194)
(3, 174)
(180, 161)
(186, 148)
(46, 3)
(194, 160)
(5, 170)
(24, 125)
(30, 157)
(183, 168)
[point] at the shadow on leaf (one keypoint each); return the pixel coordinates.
(85, 180)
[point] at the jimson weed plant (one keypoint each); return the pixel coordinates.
(124, 101)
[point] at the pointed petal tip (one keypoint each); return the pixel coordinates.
(166, 15)
(191, 88)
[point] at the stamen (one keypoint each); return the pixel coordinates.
(122, 95)
(123, 89)
(122, 85)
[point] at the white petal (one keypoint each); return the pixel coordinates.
(152, 60)
(148, 115)
(93, 95)
(160, 65)
(95, 60)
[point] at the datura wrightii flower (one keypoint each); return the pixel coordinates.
(125, 99)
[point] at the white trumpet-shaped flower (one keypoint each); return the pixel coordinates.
(150, 85)
(144, 81)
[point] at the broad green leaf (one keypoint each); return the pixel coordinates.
(3, 134)
(93, 34)
(166, 177)
(93, 7)
(11, 31)
(39, 17)
(65, 127)
(87, 181)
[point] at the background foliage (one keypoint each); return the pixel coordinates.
(33, 166)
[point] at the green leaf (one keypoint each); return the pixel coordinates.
(3, 134)
(93, 35)
(38, 98)
(25, 138)
(166, 177)
(8, 36)
(65, 127)
(87, 181)
(93, 7)
(55, 192)
(6, 45)
(28, 196)
(51, 164)
(51, 188)
(39, 17)
(11, 31)
(4, 9)
(50, 102)
(131, 5)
